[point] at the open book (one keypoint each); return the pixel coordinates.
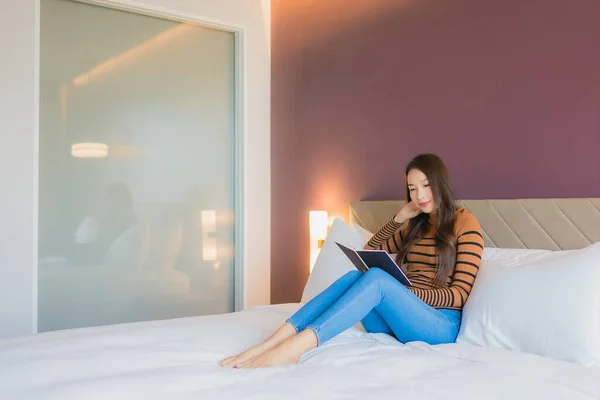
(365, 259)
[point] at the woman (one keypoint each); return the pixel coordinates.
(442, 248)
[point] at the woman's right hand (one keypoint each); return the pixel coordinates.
(410, 210)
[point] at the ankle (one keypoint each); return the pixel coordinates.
(288, 329)
(270, 343)
(306, 340)
(285, 332)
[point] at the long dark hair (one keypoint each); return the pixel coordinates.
(445, 241)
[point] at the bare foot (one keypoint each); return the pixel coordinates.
(283, 333)
(288, 352)
(248, 355)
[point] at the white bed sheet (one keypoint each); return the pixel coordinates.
(178, 359)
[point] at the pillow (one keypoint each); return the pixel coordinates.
(541, 302)
(365, 235)
(513, 257)
(332, 263)
(87, 231)
(131, 248)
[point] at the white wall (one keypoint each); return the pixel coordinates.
(17, 157)
(18, 148)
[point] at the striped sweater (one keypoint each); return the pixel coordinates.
(421, 260)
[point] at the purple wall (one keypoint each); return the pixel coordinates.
(506, 92)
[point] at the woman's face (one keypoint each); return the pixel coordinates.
(420, 191)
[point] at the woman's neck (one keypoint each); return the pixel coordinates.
(433, 218)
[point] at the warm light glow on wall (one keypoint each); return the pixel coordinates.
(89, 150)
(318, 224)
(150, 44)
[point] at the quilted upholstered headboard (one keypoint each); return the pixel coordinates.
(553, 224)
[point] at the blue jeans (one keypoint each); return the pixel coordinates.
(381, 304)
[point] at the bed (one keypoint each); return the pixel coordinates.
(177, 359)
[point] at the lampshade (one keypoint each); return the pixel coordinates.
(318, 225)
(89, 150)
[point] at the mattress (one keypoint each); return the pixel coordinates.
(178, 359)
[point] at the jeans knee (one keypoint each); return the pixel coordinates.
(375, 274)
(352, 275)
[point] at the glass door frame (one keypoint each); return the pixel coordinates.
(240, 239)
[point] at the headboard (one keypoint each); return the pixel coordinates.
(553, 224)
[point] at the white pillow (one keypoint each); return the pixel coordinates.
(130, 250)
(537, 301)
(513, 256)
(87, 231)
(331, 263)
(365, 235)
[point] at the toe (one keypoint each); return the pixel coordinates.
(227, 362)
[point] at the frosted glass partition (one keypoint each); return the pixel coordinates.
(137, 147)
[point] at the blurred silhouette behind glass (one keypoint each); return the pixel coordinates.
(96, 234)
